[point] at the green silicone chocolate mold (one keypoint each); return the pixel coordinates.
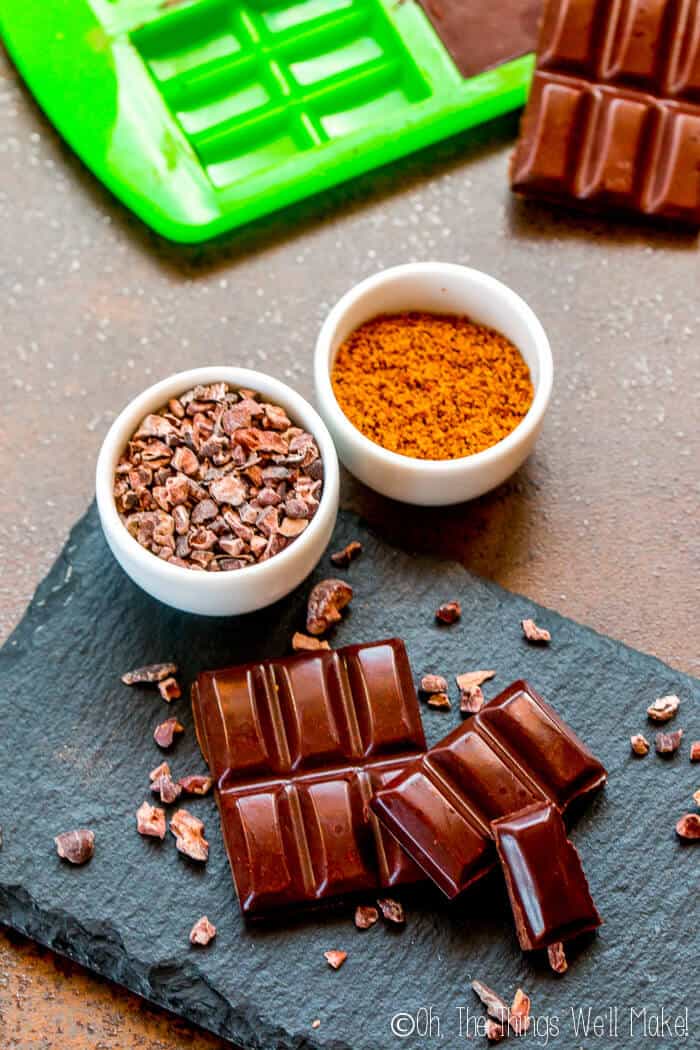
(202, 115)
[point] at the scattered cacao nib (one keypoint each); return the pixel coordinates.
(392, 910)
(165, 733)
(433, 683)
(695, 751)
(169, 689)
(471, 700)
(196, 784)
(448, 612)
(471, 679)
(189, 835)
(696, 800)
(166, 788)
(664, 708)
(150, 674)
(440, 701)
(519, 1016)
(495, 1032)
(557, 957)
(365, 916)
(326, 600)
(77, 847)
(533, 633)
(496, 1007)
(305, 643)
(639, 744)
(150, 820)
(163, 770)
(335, 958)
(203, 932)
(688, 827)
(206, 470)
(348, 554)
(668, 743)
(316, 1023)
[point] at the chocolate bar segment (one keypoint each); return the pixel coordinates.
(479, 36)
(546, 883)
(514, 753)
(298, 746)
(613, 119)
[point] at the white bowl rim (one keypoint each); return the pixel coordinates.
(447, 467)
(147, 401)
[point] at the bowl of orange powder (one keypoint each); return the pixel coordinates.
(433, 380)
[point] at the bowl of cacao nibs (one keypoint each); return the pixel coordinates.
(217, 490)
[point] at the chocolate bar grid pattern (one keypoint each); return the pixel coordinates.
(253, 84)
(614, 111)
(299, 747)
(515, 752)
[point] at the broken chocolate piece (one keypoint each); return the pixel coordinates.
(348, 554)
(165, 733)
(533, 633)
(433, 683)
(365, 916)
(392, 910)
(496, 1007)
(203, 932)
(305, 643)
(77, 847)
(149, 674)
(325, 603)
(557, 957)
(150, 820)
(668, 743)
(448, 612)
(335, 958)
(189, 835)
(688, 827)
(196, 784)
(169, 689)
(639, 744)
(544, 876)
(664, 708)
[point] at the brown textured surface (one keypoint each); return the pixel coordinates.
(601, 523)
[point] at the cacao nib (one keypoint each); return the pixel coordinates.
(335, 958)
(325, 603)
(203, 932)
(189, 835)
(77, 847)
(196, 784)
(440, 701)
(668, 743)
(365, 916)
(533, 633)
(688, 827)
(695, 751)
(169, 689)
(305, 643)
(639, 744)
(471, 700)
(664, 708)
(165, 787)
(557, 957)
(496, 1007)
(392, 910)
(165, 733)
(448, 612)
(433, 683)
(150, 674)
(519, 1016)
(348, 554)
(150, 821)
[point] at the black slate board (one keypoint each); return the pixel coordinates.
(76, 747)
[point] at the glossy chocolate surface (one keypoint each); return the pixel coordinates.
(480, 36)
(613, 119)
(547, 887)
(515, 752)
(298, 746)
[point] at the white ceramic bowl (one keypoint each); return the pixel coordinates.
(218, 593)
(438, 288)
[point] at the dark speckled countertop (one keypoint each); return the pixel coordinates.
(601, 523)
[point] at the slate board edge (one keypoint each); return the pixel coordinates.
(177, 985)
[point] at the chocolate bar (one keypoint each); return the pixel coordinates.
(479, 36)
(546, 884)
(298, 745)
(515, 752)
(613, 118)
